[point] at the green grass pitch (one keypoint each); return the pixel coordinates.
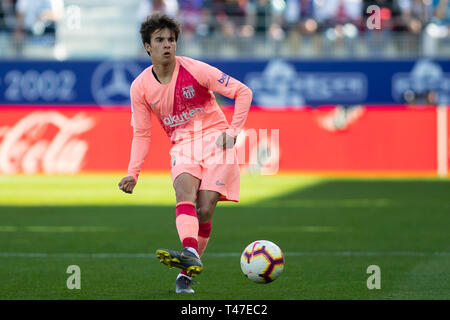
(330, 229)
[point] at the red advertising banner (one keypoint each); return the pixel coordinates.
(82, 139)
(358, 138)
(70, 140)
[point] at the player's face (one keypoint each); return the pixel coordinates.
(162, 46)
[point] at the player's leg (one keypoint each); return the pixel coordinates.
(206, 203)
(219, 182)
(186, 187)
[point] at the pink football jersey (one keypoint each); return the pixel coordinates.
(183, 106)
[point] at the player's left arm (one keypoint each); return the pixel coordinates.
(229, 87)
(141, 122)
(220, 82)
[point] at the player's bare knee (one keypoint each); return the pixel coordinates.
(204, 213)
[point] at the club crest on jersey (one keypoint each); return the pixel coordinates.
(188, 92)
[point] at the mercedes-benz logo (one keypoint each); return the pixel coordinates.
(111, 82)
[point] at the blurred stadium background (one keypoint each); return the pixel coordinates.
(347, 142)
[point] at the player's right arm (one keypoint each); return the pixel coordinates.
(141, 122)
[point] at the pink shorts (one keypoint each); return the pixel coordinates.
(217, 168)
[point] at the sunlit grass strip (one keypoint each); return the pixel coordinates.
(151, 189)
(156, 189)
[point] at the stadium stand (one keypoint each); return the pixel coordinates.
(245, 28)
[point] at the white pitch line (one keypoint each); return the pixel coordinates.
(227, 254)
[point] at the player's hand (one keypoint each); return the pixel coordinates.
(127, 184)
(225, 141)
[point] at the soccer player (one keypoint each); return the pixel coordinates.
(178, 91)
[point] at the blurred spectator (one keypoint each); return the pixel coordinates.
(438, 30)
(236, 11)
(230, 18)
(379, 38)
(2, 15)
(37, 19)
(441, 11)
(339, 21)
(7, 14)
(7, 20)
(415, 14)
(299, 14)
(228, 15)
(262, 16)
(147, 7)
(388, 17)
(330, 13)
(194, 18)
(300, 24)
(266, 17)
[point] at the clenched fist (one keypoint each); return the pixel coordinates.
(225, 141)
(127, 184)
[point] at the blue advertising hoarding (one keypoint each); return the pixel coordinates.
(275, 83)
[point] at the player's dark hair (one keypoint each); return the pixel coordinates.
(155, 22)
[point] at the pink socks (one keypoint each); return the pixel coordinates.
(187, 224)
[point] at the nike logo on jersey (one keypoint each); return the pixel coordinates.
(153, 104)
(219, 183)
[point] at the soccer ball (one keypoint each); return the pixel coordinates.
(262, 261)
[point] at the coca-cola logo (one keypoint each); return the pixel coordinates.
(44, 141)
